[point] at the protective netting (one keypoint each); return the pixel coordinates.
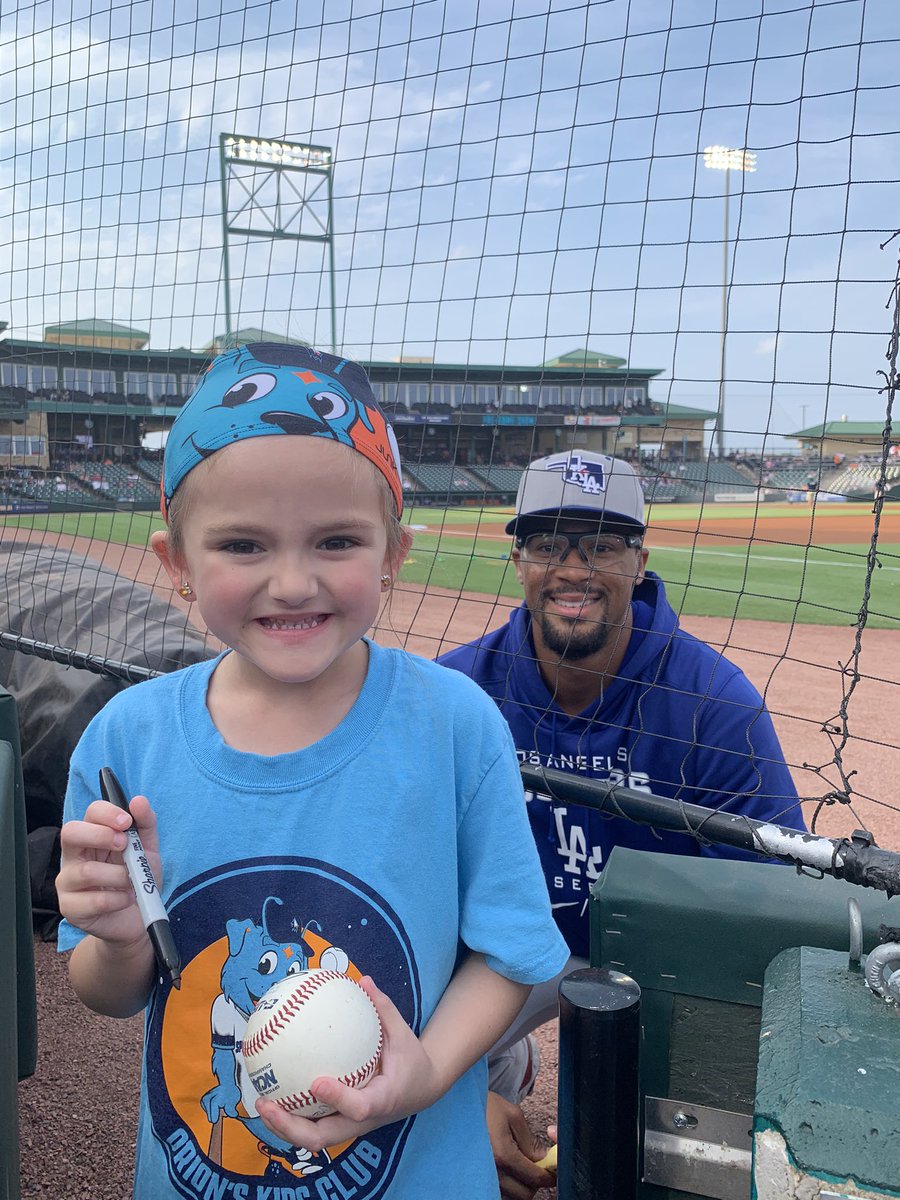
(661, 230)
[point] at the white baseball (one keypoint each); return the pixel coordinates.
(314, 1023)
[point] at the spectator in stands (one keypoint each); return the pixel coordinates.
(594, 676)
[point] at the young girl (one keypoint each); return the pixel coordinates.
(307, 798)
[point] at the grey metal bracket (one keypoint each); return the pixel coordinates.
(697, 1149)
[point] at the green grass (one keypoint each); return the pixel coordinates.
(821, 585)
(125, 529)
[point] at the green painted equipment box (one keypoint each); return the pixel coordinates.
(827, 1116)
(697, 934)
(18, 1010)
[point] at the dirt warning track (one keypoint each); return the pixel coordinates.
(819, 525)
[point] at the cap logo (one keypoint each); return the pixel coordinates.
(589, 476)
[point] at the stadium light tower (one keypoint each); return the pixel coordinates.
(278, 186)
(722, 158)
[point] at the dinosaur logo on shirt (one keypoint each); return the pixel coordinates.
(202, 1103)
(256, 961)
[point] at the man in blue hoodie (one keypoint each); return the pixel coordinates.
(595, 676)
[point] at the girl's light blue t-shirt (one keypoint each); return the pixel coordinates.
(389, 848)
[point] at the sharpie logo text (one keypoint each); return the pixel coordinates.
(148, 883)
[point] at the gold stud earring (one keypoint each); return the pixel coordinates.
(186, 592)
(385, 582)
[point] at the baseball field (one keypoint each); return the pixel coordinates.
(778, 563)
(777, 588)
(787, 562)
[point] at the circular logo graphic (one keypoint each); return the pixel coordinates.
(240, 929)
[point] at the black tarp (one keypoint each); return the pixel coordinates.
(56, 596)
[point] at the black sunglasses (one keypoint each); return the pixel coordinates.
(556, 546)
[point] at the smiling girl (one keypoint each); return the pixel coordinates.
(373, 796)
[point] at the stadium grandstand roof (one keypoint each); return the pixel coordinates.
(585, 359)
(841, 429)
(243, 337)
(184, 360)
(506, 373)
(73, 354)
(674, 412)
(98, 328)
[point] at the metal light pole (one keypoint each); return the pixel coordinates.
(275, 193)
(722, 158)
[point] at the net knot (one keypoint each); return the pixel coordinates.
(837, 797)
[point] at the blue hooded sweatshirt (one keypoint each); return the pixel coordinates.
(677, 720)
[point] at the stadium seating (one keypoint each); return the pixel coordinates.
(44, 489)
(697, 481)
(858, 480)
(787, 480)
(117, 482)
(498, 479)
(719, 474)
(152, 468)
(656, 492)
(444, 480)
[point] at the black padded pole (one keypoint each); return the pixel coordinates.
(599, 1040)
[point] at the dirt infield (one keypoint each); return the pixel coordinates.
(807, 528)
(801, 670)
(821, 524)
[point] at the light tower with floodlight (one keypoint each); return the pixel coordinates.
(272, 204)
(723, 158)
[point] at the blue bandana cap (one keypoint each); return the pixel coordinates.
(269, 388)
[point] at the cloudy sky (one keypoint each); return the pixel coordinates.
(512, 179)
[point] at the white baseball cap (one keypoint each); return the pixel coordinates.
(580, 485)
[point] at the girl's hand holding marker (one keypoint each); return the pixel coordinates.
(121, 911)
(146, 890)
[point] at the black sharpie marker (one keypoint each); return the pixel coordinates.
(146, 891)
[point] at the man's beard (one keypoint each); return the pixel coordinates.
(578, 640)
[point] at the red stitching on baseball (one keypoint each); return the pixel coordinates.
(291, 1005)
(297, 1100)
(354, 1079)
